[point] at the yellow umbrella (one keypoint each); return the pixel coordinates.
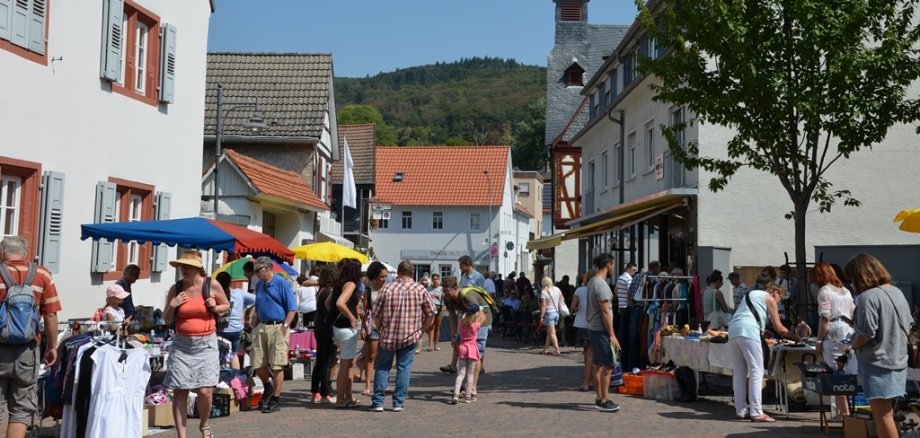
(910, 220)
(327, 252)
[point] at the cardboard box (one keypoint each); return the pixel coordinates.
(160, 415)
(858, 428)
(145, 421)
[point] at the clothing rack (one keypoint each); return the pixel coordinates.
(665, 278)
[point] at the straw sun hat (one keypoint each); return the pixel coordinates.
(188, 258)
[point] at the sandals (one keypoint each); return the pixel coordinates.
(207, 428)
(350, 405)
(367, 393)
(763, 419)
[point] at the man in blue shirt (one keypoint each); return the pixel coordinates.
(275, 309)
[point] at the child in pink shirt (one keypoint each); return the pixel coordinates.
(468, 351)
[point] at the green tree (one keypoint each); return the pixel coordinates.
(527, 150)
(360, 114)
(803, 83)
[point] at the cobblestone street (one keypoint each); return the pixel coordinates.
(523, 393)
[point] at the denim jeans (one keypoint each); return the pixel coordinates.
(404, 358)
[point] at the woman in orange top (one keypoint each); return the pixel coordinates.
(194, 362)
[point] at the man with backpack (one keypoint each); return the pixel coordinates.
(27, 292)
(456, 299)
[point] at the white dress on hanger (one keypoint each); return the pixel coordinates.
(118, 391)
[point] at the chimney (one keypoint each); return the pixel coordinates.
(571, 11)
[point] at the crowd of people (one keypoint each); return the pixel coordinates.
(366, 323)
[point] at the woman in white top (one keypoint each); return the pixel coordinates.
(580, 309)
(549, 313)
(835, 310)
(744, 338)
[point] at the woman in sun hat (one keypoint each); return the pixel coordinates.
(193, 303)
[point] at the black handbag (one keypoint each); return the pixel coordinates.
(223, 321)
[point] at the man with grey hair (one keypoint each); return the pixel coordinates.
(18, 382)
(275, 309)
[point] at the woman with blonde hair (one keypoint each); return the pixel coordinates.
(193, 303)
(550, 297)
(882, 322)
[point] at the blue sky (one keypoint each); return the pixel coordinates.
(366, 37)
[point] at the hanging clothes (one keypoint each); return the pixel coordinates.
(69, 418)
(119, 382)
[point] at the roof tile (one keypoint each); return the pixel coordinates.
(361, 142)
(441, 175)
(274, 181)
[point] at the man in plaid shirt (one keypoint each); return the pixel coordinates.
(402, 313)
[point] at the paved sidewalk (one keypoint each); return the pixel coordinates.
(523, 393)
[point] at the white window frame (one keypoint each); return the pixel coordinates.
(437, 220)
(631, 143)
(475, 225)
(135, 212)
(11, 208)
(591, 175)
(445, 271)
(616, 161)
(141, 52)
(524, 189)
(407, 215)
(605, 165)
(649, 140)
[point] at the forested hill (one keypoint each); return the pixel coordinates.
(475, 101)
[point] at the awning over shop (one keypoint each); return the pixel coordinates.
(545, 242)
(628, 214)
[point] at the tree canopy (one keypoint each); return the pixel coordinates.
(803, 83)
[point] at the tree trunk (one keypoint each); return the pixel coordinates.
(802, 299)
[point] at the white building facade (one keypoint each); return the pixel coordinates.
(100, 104)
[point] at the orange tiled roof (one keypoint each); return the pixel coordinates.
(274, 181)
(522, 209)
(441, 175)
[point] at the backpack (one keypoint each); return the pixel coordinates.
(485, 296)
(18, 311)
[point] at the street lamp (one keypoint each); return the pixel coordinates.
(256, 122)
(489, 201)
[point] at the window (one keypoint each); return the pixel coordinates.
(650, 143)
(23, 27)
(612, 89)
(437, 220)
(590, 177)
(592, 106)
(631, 160)
(446, 271)
(398, 177)
(677, 118)
(475, 224)
(268, 223)
(574, 76)
(603, 96)
(133, 202)
(629, 66)
(524, 189)
(138, 54)
(606, 167)
(135, 209)
(407, 220)
(384, 220)
(10, 207)
(140, 58)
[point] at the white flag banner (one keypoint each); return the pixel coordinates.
(349, 191)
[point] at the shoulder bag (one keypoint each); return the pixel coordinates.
(763, 342)
(562, 307)
(913, 354)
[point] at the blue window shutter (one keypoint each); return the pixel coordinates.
(52, 216)
(37, 26)
(6, 18)
(103, 250)
(113, 38)
(163, 207)
(168, 64)
(20, 23)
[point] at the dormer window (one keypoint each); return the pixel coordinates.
(574, 76)
(398, 177)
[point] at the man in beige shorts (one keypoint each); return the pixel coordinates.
(275, 309)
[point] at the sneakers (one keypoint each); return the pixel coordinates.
(606, 406)
(317, 398)
(468, 400)
(267, 394)
(273, 405)
(449, 369)
(376, 408)
(330, 399)
(454, 400)
(397, 408)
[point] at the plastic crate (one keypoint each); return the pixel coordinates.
(633, 384)
(660, 386)
(220, 406)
